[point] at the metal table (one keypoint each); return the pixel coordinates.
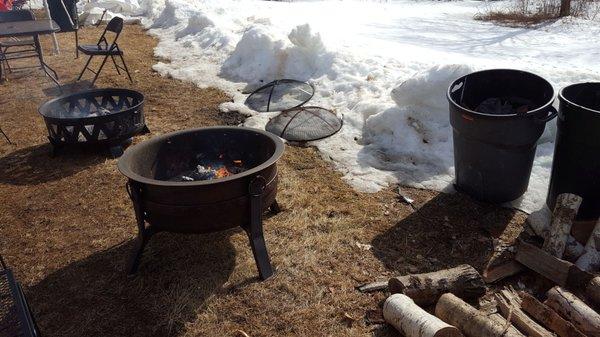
(33, 28)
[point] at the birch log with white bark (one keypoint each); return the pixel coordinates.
(590, 260)
(567, 206)
(401, 312)
(540, 222)
(573, 309)
(469, 320)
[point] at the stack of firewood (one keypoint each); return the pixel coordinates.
(566, 312)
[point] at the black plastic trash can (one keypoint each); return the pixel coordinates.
(576, 163)
(493, 153)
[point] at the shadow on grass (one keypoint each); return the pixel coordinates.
(34, 165)
(95, 297)
(446, 229)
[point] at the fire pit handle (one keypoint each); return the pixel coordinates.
(551, 116)
(257, 186)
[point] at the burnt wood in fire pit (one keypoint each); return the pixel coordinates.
(106, 117)
(164, 203)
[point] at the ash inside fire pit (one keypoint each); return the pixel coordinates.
(208, 169)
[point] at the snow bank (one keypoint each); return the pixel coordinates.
(383, 66)
(416, 135)
(263, 56)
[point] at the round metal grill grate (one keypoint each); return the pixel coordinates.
(280, 95)
(305, 124)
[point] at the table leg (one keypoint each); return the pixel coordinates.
(49, 71)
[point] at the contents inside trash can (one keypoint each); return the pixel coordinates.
(505, 106)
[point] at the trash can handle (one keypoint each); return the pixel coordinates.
(546, 119)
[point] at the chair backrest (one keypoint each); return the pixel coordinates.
(115, 25)
(19, 15)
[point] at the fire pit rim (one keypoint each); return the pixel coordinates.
(45, 105)
(127, 157)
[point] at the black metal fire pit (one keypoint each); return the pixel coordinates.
(104, 117)
(168, 192)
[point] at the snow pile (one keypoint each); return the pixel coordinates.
(383, 66)
(263, 56)
(416, 135)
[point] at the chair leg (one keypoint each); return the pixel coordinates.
(115, 63)
(6, 61)
(86, 66)
(76, 43)
(99, 70)
(126, 69)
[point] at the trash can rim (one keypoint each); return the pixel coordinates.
(481, 114)
(562, 97)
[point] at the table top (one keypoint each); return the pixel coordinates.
(25, 28)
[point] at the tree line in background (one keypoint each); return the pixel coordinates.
(532, 12)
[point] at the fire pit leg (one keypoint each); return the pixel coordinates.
(144, 233)
(116, 151)
(274, 208)
(255, 230)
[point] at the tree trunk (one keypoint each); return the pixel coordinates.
(572, 308)
(463, 281)
(565, 8)
(510, 306)
(401, 312)
(469, 320)
(548, 317)
(590, 260)
(564, 213)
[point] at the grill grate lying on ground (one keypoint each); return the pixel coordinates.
(305, 124)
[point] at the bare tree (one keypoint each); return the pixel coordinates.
(565, 8)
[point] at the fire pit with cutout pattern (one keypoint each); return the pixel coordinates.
(102, 117)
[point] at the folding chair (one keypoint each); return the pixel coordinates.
(25, 47)
(107, 50)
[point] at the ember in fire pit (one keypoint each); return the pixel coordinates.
(170, 192)
(208, 169)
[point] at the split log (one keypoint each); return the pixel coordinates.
(372, 287)
(593, 290)
(556, 270)
(403, 314)
(463, 281)
(509, 329)
(572, 308)
(564, 213)
(496, 273)
(509, 303)
(469, 320)
(548, 317)
(590, 260)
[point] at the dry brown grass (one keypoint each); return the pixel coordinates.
(67, 226)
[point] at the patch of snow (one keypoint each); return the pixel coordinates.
(383, 66)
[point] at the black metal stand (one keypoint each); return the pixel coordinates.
(144, 233)
(253, 229)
